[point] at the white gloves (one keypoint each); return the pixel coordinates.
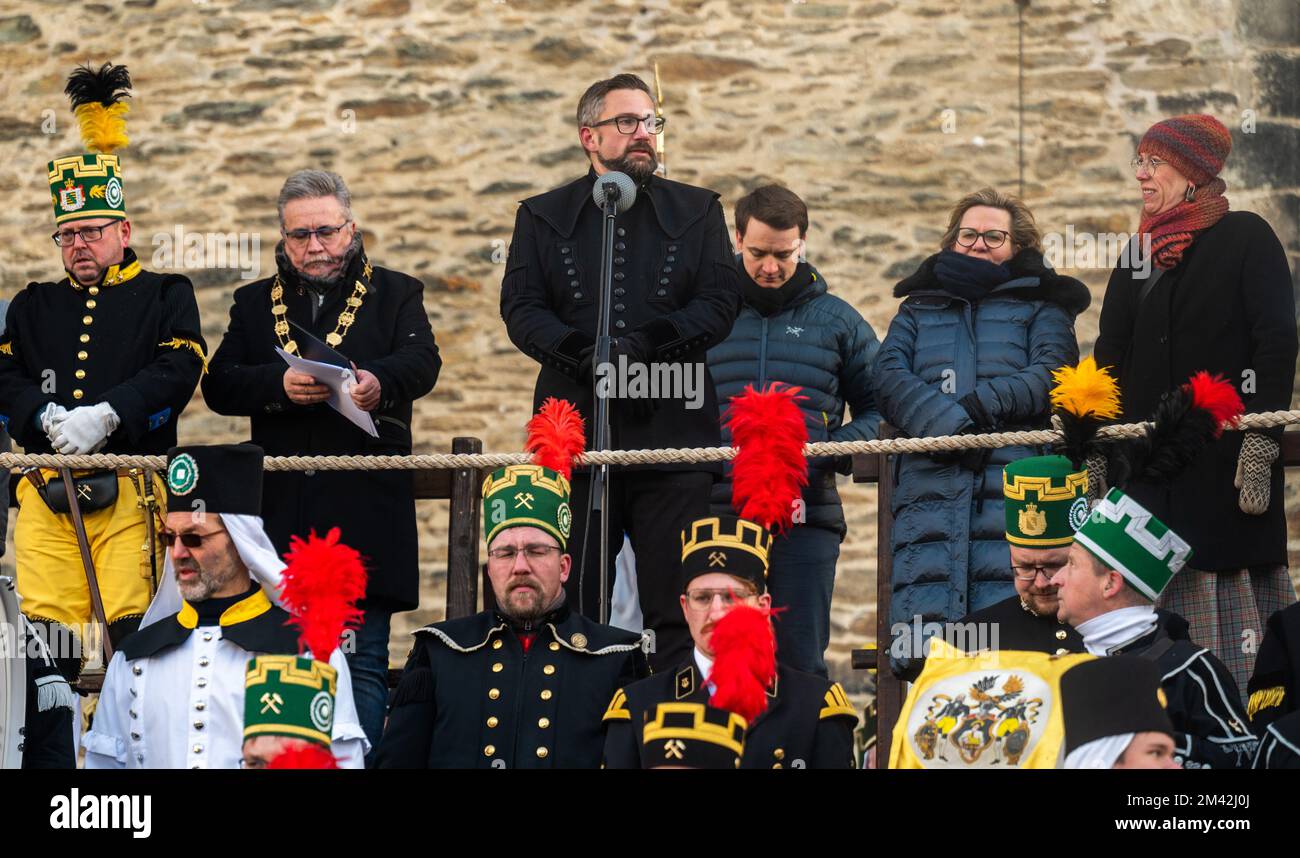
(85, 429)
(51, 417)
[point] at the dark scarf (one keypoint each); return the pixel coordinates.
(969, 277)
(1172, 232)
(771, 301)
(210, 610)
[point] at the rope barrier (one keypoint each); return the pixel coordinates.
(671, 455)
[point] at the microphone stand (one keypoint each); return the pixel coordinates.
(598, 497)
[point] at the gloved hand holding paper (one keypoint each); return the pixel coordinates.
(338, 379)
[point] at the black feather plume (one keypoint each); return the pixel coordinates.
(1180, 433)
(1079, 432)
(105, 86)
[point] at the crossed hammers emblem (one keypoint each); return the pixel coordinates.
(718, 558)
(83, 492)
(271, 701)
(524, 499)
(674, 749)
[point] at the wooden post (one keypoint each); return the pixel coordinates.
(463, 533)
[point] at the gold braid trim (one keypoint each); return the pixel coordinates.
(178, 343)
(1265, 698)
(7, 349)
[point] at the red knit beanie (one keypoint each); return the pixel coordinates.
(1196, 145)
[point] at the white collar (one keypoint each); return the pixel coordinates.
(704, 663)
(1113, 629)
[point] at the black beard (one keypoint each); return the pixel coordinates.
(638, 170)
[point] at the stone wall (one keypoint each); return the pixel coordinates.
(443, 115)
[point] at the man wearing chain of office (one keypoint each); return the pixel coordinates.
(373, 319)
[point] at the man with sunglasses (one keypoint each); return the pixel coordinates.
(808, 722)
(173, 696)
(104, 359)
(523, 683)
(374, 320)
(675, 293)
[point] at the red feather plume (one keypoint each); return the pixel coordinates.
(769, 471)
(321, 587)
(744, 664)
(555, 435)
(305, 755)
(1219, 397)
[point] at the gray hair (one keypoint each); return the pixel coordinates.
(593, 100)
(310, 184)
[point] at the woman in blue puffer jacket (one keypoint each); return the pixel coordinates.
(982, 326)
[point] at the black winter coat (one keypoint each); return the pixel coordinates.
(391, 338)
(675, 291)
(1227, 307)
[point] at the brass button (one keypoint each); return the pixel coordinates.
(198, 725)
(496, 644)
(82, 355)
(776, 766)
(81, 373)
(198, 749)
(85, 338)
(94, 290)
(555, 647)
(77, 394)
(86, 320)
(137, 670)
(1060, 634)
(203, 661)
(549, 669)
(200, 706)
(90, 303)
(498, 667)
(542, 753)
(493, 693)
(543, 722)
(546, 694)
(202, 683)
(779, 753)
(492, 722)
(579, 640)
(489, 750)
(1062, 651)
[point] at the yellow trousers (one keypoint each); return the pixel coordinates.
(50, 576)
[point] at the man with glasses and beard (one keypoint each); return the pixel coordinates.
(523, 684)
(675, 293)
(173, 696)
(374, 320)
(104, 359)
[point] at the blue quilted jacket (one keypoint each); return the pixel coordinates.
(950, 552)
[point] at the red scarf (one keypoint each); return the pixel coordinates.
(1172, 232)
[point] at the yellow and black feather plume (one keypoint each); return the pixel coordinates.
(97, 101)
(1085, 397)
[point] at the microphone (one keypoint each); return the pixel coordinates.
(617, 188)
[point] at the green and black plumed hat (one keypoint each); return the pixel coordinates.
(537, 494)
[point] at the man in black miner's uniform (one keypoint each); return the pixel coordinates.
(524, 685)
(103, 360)
(675, 294)
(808, 722)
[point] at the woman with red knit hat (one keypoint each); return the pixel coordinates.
(1210, 290)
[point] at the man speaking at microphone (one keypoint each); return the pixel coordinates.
(674, 294)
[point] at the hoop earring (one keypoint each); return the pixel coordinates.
(1190, 193)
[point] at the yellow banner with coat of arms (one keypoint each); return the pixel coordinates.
(986, 710)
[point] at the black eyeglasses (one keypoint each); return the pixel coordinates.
(189, 540)
(68, 237)
(626, 124)
(1030, 573)
(992, 237)
(532, 552)
(324, 233)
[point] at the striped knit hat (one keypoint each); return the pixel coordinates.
(1196, 145)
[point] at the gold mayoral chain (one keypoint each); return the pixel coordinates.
(346, 318)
